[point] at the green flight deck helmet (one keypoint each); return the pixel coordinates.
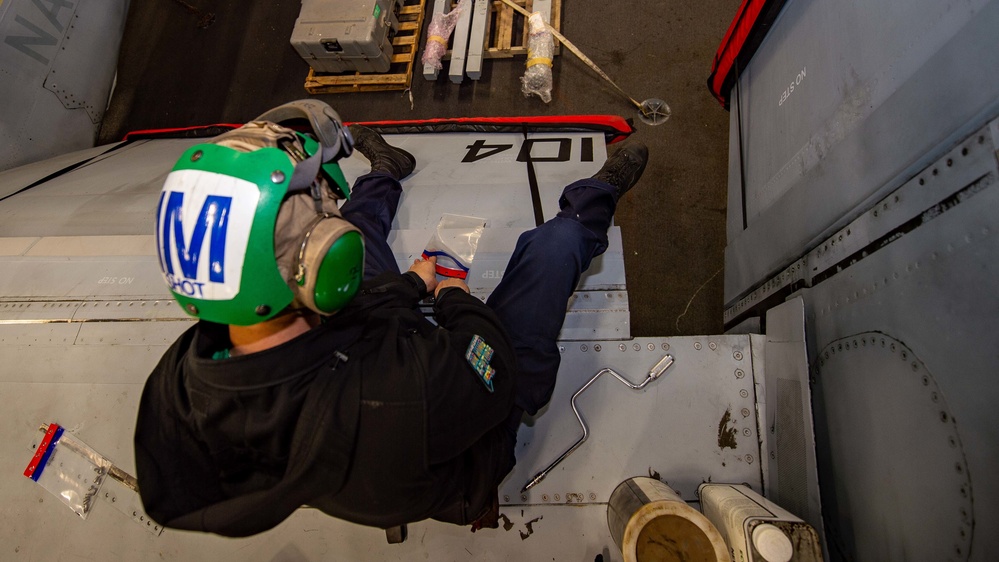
(248, 224)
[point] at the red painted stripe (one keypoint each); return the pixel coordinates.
(619, 127)
(732, 44)
(614, 121)
(747, 32)
(176, 130)
(40, 452)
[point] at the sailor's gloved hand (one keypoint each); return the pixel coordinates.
(427, 270)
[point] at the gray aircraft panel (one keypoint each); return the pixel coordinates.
(612, 321)
(58, 234)
(55, 335)
(128, 259)
(960, 167)
(93, 390)
(85, 316)
(53, 359)
(838, 87)
(84, 278)
(58, 61)
(494, 182)
(13, 312)
(166, 310)
(944, 179)
(74, 78)
(16, 246)
(124, 184)
(138, 168)
(914, 274)
(153, 333)
(15, 179)
(92, 246)
(758, 346)
(74, 269)
(535, 531)
(923, 102)
(930, 293)
(81, 215)
(674, 427)
(903, 409)
(792, 475)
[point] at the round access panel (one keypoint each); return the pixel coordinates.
(899, 480)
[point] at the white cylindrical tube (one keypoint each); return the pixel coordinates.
(651, 522)
(772, 543)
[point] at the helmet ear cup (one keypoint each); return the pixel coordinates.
(330, 264)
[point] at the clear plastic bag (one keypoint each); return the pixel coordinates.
(441, 27)
(537, 78)
(454, 243)
(69, 469)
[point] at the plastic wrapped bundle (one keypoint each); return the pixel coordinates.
(441, 27)
(540, 49)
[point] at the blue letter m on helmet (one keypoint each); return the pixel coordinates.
(212, 221)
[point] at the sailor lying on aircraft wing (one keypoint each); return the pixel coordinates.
(312, 377)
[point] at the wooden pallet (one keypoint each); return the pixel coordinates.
(506, 29)
(405, 45)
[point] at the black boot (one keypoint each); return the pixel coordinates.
(624, 167)
(384, 157)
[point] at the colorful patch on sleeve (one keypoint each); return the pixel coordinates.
(478, 355)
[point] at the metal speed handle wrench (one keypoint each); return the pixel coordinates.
(654, 373)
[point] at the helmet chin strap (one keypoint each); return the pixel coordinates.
(317, 197)
(324, 122)
(306, 174)
(334, 142)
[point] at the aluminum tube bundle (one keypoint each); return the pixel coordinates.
(441, 27)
